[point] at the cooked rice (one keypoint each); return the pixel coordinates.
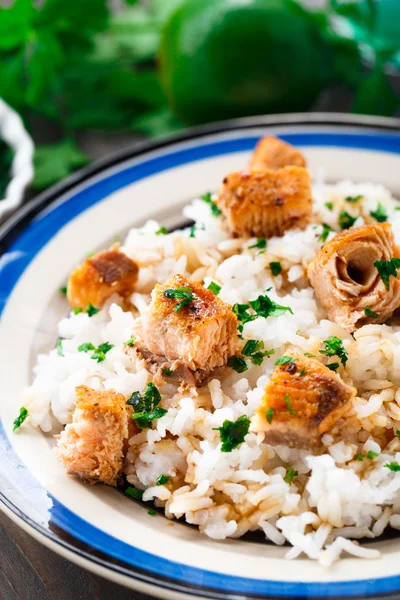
(335, 498)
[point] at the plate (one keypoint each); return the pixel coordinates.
(100, 528)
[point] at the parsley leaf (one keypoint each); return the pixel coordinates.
(270, 415)
(144, 419)
(265, 307)
(152, 512)
(334, 347)
(329, 205)
(91, 310)
(63, 290)
(185, 294)
(276, 268)
(260, 243)
(193, 231)
(134, 492)
(146, 407)
(370, 313)
(162, 231)
(386, 268)
(345, 220)
(214, 288)
(232, 433)
(100, 352)
(162, 480)
(333, 366)
(77, 309)
(393, 466)
(59, 347)
(215, 211)
(86, 347)
(251, 346)
(237, 363)
(326, 229)
(353, 199)
(285, 360)
(56, 161)
(290, 474)
(371, 454)
(379, 214)
(23, 413)
(131, 341)
(302, 372)
(166, 372)
(289, 405)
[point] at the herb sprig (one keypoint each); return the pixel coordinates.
(184, 294)
(334, 347)
(145, 406)
(232, 433)
(387, 269)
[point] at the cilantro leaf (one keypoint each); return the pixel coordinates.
(393, 466)
(162, 231)
(145, 419)
(334, 347)
(91, 310)
(329, 205)
(387, 268)
(333, 366)
(146, 407)
(265, 307)
(100, 352)
(134, 492)
(166, 371)
(232, 433)
(131, 341)
(251, 346)
(23, 413)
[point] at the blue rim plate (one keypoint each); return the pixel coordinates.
(99, 528)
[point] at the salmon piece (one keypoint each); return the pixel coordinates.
(273, 153)
(201, 335)
(304, 399)
(346, 281)
(92, 446)
(266, 203)
(106, 273)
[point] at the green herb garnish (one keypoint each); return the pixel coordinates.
(184, 294)
(166, 372)
(255, 350)
(60, 351)
(353, 199)
(270, 415)
(370, 313)
(334, 347)
(371, 454)
(86, 347)
(326, 229)
(251, 346)
(192, 233)
(276, 268)
(260, 243)
(237, 363)
(134, 492)
(145, 406)
(285, 360)
(289, 405)
(379, 214)
(290, 473)
(162, 480)
(23, 413)
(302, 372)
(386, 268)
(232, 433)
(162, 231)
(329, 205)
(99, 353)
(393, 466)
(77, 309)
(214, 288)
(333, 366)
(309, 355)
(215, 211)
(152, 512)
(145, 419)
(345, 220)
(91, 310)
(398, 433)
(265, 307)
(360, 457)
(131, 341)
(63, 290)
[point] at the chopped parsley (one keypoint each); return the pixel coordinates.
(23, 413)
(329, 205)
(162, 480)
(131, 341)
(259, 356)
(60, 347)
(63, 290)
(302, 372)
(290, 473)
(371, 455)
(309, 355)
(91, 310)
(232, 433)
(86, 347)
(214, 288)
(251, 346)
(269, 415)
(215, 211)
(393, 466)
(237, 363)
(77, 309)
(146, 407)
(326, 229)
(379, 214)
(184, 294)
(276, 268)
(333, 366)
(370, 313)
(285, 360)
(134, 492)
(398, 433)
(152, 512)
(162, 231)
(99, 353)
(360, 456)
(254, 349)
(260, 243)
(166, 371)
(289, 405)
(334, 347)
(192, 233)
(386, 268)
(353, 199)
(345, 220)
(265, 307)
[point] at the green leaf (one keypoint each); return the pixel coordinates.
(56, 161)
(158, 123)
(375, 95)
(232, 433)
(46, 57)
(15, 23)
(163, 9)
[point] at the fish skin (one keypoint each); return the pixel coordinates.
(274, 153)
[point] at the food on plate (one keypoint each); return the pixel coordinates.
(241, 378)
(91, 446)
(266, 203)
(302, 400)
(101, 275)
(355, 275)
(188, 326)
(273, 153)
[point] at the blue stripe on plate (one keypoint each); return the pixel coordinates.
(44, 228)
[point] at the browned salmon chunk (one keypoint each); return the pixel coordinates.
(188, 323)
(302, 400)
(273, 153)
(346, 281)
(91, 447)
(266, 203)
(106, 273)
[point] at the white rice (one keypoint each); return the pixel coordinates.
(335, 497)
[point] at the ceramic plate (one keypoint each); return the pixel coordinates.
(100, 528)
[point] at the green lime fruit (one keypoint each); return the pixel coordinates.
(226, 58)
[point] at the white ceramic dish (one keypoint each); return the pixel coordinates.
(100, 528)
